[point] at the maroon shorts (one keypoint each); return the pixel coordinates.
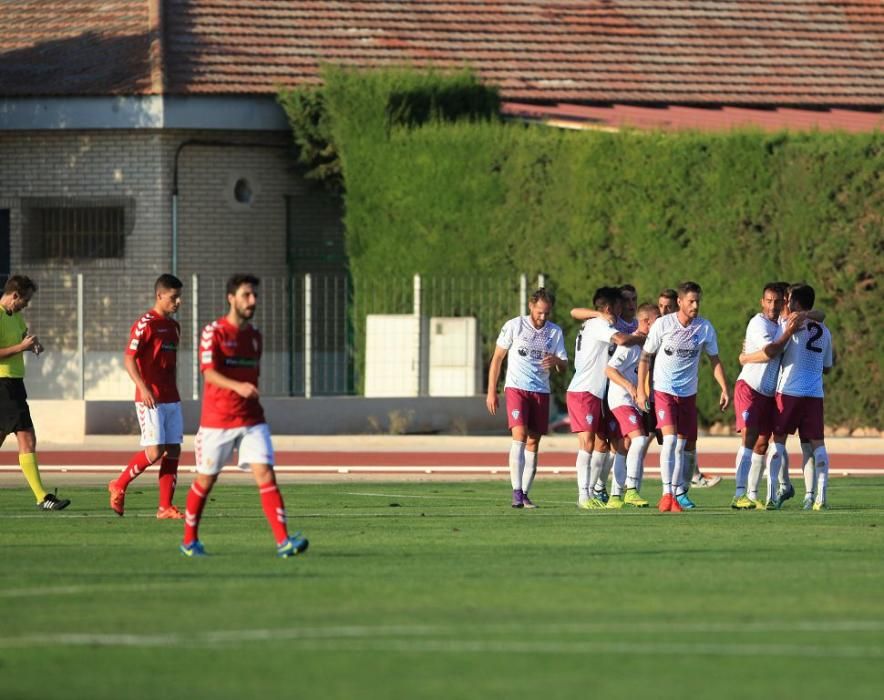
(528, 409)
(754, 411)
(629, 420)
(610, 429)
(801, 413)
(679, 411)
(585, 412)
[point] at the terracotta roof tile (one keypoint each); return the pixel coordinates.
(742, 52)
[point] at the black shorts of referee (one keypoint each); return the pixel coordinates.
(15, 415)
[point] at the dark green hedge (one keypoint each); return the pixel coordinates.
(459, 193)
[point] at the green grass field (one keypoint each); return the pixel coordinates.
(441, 590)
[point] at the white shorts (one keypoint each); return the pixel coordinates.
(214, 446)
(162, 425)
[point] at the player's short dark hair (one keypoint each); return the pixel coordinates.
(647, 309)
(605, 297)
(804, 294)
(543, 294)
(238, 280)
(668, 294)
(19, 284)
(776, 288)
(627, 288)
(783, 287)
(167, 281)
(689, 288)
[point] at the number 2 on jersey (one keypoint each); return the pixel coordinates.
(816, 332)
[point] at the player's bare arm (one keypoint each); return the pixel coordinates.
(622, 381)
(245, 389)
(629, 340)
(724, 399)
(551, 361)
(644, 365)
(584, 314)
(29, 342)
(775, 348)
(147, 397)
(491, 401)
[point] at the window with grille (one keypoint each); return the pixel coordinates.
(75, 229)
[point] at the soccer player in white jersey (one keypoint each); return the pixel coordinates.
(532, 346)
(586, 393)
(754, 391)
(682, 337)
(622, 372)
(799, 399)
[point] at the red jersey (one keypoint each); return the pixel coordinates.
(153, 342)
(235, 353)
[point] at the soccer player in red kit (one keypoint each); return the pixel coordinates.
(232, 418)
(150, 361)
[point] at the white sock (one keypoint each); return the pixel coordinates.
(808, 469)
(529, 471)
(634, 461)
(619, 482)
(517, 463)
(679, 486)
(582, 474)
(784, 470)
(741, 470)
(606, 471)
(774, 462)
(690, 466)
(667, 462)
(755, 469)
(596, 465)
(821, 461)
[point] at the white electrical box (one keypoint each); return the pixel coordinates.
(455, 356)
(394, 350)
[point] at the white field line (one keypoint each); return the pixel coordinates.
(418, 639)
(443, 469)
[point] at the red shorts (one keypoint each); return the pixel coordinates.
(754, 411)
(528, 409)
(679, 411)
(629, 419)
(585, 412)
(801, 413)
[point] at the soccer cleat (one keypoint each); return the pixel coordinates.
(590, 504)
(773, 504)
(784, 493)
(808, 502)
(527, 502)
(117, 498)
(614, 503)
(742, 503)
(632, 498)
(194, 549)
(685, 502)
(701, 481)
(601, 494)
(675, 506)
(758, 503)
(52, 502)
(518, 501)
(820, 506)
(294, 545)
(664, 505)
(170, 513)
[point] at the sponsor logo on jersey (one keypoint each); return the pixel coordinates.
(134, 344)
(240, 362)
(169, 347)
(668, 351)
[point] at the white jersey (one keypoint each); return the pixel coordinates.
(527, 347)
(676, 367)
(807, 353)
(591, 357)
(625, 361)
(761, 376)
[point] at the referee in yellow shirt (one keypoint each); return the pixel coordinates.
(15, 417)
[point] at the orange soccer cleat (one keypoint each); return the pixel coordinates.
(117, 498)
(170, 513)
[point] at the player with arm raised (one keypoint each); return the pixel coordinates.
(150, 360)
(682, 337)
(587, 389)
(622, 372)
(799, 399)
(232, 418)
(532, 346)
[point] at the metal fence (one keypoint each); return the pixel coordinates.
(314, 328)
